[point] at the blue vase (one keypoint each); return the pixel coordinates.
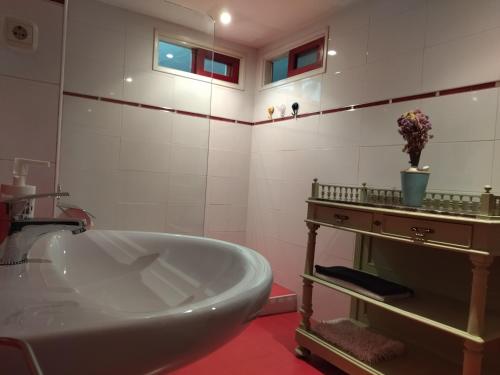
(413, 186)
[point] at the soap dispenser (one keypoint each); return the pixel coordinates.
(19, 188)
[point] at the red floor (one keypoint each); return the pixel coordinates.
(266, 347)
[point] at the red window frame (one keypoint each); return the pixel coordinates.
(293, 55)
(232, 63)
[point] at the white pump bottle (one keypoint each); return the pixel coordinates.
(19, 188)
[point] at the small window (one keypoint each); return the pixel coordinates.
(195, 60)
(296, 61)
(279, 68)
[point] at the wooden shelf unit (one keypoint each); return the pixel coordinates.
(474, 236)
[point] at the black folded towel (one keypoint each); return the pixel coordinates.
(365, 280)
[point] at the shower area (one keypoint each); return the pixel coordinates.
(137, 125)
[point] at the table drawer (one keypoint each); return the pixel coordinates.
(445, 233)
(343, 218)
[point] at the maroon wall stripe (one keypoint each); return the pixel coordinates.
(415, 97)
(481, 86)
(371, 104)
(457, 90)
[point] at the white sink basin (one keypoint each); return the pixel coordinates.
(110, 302)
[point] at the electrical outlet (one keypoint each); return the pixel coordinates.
(19, 33)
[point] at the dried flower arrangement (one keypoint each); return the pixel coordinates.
(414, 126)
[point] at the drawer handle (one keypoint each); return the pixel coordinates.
(340, 218)
(420, 232)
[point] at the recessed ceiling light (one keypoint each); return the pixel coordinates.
(332, 52)
(170, 56)
(128, 79)
(225, 18)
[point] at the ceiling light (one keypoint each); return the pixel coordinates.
(128, 79)
(170, 56)
(332, 52)
(225, 18)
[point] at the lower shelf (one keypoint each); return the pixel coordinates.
(415, 361)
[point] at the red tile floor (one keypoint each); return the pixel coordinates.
(265, 347)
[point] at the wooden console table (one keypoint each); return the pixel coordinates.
(458, 227)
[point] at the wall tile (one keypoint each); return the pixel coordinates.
(345, 88)
(147, 125)
(463, 117)
(91, 115)
(32, 130)
(379, 124)
(143, 187)
(380, 166)
(187, 189)
(220, 217)
(459, 166)
(190, 131)
(144, 156)
(351, 49)
(391, 35)
(495, 179)
(188, 160)
(399, 75)
(227, 190)
(452, 19)
(192, 95)
(297, 134)
(140, 216)
(228, 164)
(339, 129)
(44, 64)
(393, 8)
(230, 137)
(185, 219)
(461, 62)
(232, 103)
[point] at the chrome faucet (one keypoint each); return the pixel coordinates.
(18, 233)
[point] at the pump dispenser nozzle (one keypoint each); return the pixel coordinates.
(21, 169)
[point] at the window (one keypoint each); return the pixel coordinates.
(194, 61)
(296, 61)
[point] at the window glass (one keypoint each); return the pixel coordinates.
(280, 68)
(216, 67)
(175, 57)
(307, 58)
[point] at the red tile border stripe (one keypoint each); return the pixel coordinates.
(431, 94)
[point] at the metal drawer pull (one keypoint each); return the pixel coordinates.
(420, 232)
(340, 218)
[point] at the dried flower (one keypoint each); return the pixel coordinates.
(414, 126)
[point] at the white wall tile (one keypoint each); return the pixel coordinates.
(144, 156)
(393, 8)
(140, 216)
(229, 136)
(380, 166)
(43, 64)
(190, 131)
(186, 219)
(345, 88)
(188, 160)
(459, 166)
(463, 117)
(223, 163)
(232, 103)
(351, 49)
(452, 19)
(147, 125)
(391, 35)
(379, 124)
(187, 189)
(495, 179)
(227, 190)
(297, 134)
(29, 119)
(230, 218)
(463, 61)
(91, 115)
(143, 187)
(398, 75)
(192, 95)
(339, 129)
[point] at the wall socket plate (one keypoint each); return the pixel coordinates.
(20, 33)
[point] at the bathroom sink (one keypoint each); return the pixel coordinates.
(116, 302)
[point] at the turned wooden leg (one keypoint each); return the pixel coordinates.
(479, 288)
(473, 355)
(306, 309)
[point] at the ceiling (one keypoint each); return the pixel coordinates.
(255, 22)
